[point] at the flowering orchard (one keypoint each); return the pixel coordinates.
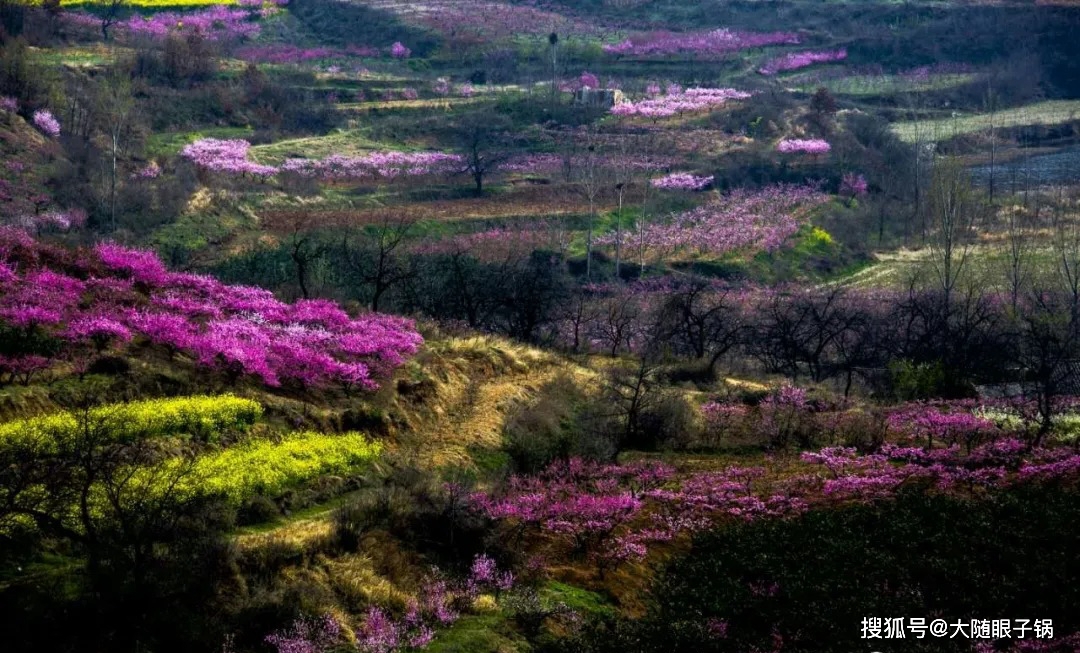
(231, 157)
(682, 181)
(806, 146)
(797, 60)
(217, 23)
(678, 101)
(68, 308)
(615, 513)
(715, 43)
(741, 220)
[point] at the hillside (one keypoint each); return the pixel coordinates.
(514, 326)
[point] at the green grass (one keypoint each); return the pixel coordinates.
(986, 267)
(76, 57)
(488, 633)
(1043, 113)
(869, 85)
(347, 142)
(170, 143)
(577, 599)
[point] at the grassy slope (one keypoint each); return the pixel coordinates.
(1043, 113)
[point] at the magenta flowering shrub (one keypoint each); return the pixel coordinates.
(381, 633)
(484, 575)
(718, 42)
(225, 156)
(129, 295)
(682, 181)
(441, 87)
(944, 422)
(307, 636)
(53, 220)
(399, 51)
(743, 219)
(853, 185)
(723, 420)
(796, 60)
(809, 146)
(9, 104)
(46, 122)
(678, 101)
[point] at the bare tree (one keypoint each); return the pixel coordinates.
(1066, 246)
(553, 42)
(590, 183)
(481, 141)
(955, 210)
(703, 321)
(1020, 224)
(623, 172)
(111, 12)
(373, 257)
(116, 106)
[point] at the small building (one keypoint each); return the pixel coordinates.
(600, 98)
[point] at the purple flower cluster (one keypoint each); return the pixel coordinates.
(225, 156)
(718, 42)
(215, 23)
(796, 60)
(441, 87)
(8, 104)
(307, 636)
(809, 146)
(399, 51)
(150, 171)
(374, 165)
(236, 329)
(381, 633)
(853, 185)
(46, 122)
(53, 220)
(942, 422)
(682, 181)
(678, 101)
